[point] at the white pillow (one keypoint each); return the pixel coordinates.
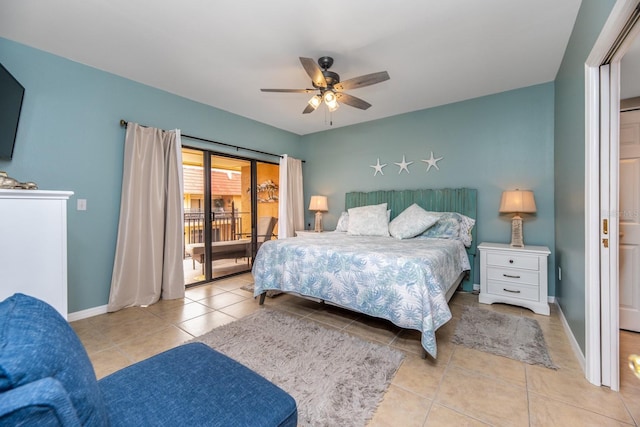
(343, 222)
(369, 221)
(412, 221)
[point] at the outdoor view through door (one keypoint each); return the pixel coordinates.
(225, 244)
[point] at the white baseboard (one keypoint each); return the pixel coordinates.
(572, 339)
(90, 312)
(551, 299)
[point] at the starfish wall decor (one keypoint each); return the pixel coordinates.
(404, 164)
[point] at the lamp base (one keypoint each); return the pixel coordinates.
(516, 232)
(318, 225)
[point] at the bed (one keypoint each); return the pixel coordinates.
(407, 281)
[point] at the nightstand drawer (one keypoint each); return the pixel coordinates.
(513, 290)
(513, 260)
(526, 277)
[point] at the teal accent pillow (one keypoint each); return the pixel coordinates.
(411, 222)
(451, 225)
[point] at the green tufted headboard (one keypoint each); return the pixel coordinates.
(461, 200)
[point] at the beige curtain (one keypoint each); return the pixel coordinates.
(148, 262)
(291, 199)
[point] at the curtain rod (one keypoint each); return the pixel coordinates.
(124, 124)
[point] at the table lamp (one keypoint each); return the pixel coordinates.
(318, 204)
(517, 202)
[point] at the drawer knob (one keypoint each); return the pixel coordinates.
(510, 261)
(509, 290)
(510, 276)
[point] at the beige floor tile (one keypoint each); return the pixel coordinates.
(334, 316)
(221, 300)
(144, 325)
(490, 365)
(631, 399)
(94, 342)
(184, 312)
(490, 401)
(627, 377)
(446, 332)
(440, 416)
(568, 387)
(244, 294)
(547, 412)
(119, 318)
(563, 356)
(109, 361)
(201, 292)
(400, 408)
(242, 308)
(463, 298)
(468, 387)
(417, 376)
(142, 348)
(166, 305)
(295, 305)
(373, 329)
(230, 284)
(408, 341)
(82, 325)
(202, 324)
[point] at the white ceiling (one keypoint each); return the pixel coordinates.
(222, 52)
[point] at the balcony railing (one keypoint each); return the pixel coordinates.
(225, 226)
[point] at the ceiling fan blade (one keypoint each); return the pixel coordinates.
(352, 101)
(314, 71)
(290, 90)
(309, 109)
(366, 80)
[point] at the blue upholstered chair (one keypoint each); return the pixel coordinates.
(46, 379)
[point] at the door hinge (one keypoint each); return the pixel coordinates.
(605, 226)
(605, 243)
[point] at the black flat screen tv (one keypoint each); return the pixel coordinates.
(11, 95)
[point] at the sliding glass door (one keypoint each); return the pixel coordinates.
(222, 211)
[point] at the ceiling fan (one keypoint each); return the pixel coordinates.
(330, 88)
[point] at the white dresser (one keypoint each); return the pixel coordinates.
(33, 245)
(515, 276)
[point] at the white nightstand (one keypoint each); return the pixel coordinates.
(515, 276)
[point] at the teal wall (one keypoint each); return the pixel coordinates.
(569, 164)
(69, 138)
(494, 143)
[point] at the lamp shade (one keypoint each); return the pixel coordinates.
(517, 201)
(318, 203)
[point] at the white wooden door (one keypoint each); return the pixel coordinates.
(629, 217)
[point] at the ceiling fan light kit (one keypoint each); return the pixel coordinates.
(315, 101)
(330, 89)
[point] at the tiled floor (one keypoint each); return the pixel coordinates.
(461, 387)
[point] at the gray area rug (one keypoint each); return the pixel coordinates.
(336, 379)
(516, 337)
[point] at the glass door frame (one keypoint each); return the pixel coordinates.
(207, 155)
